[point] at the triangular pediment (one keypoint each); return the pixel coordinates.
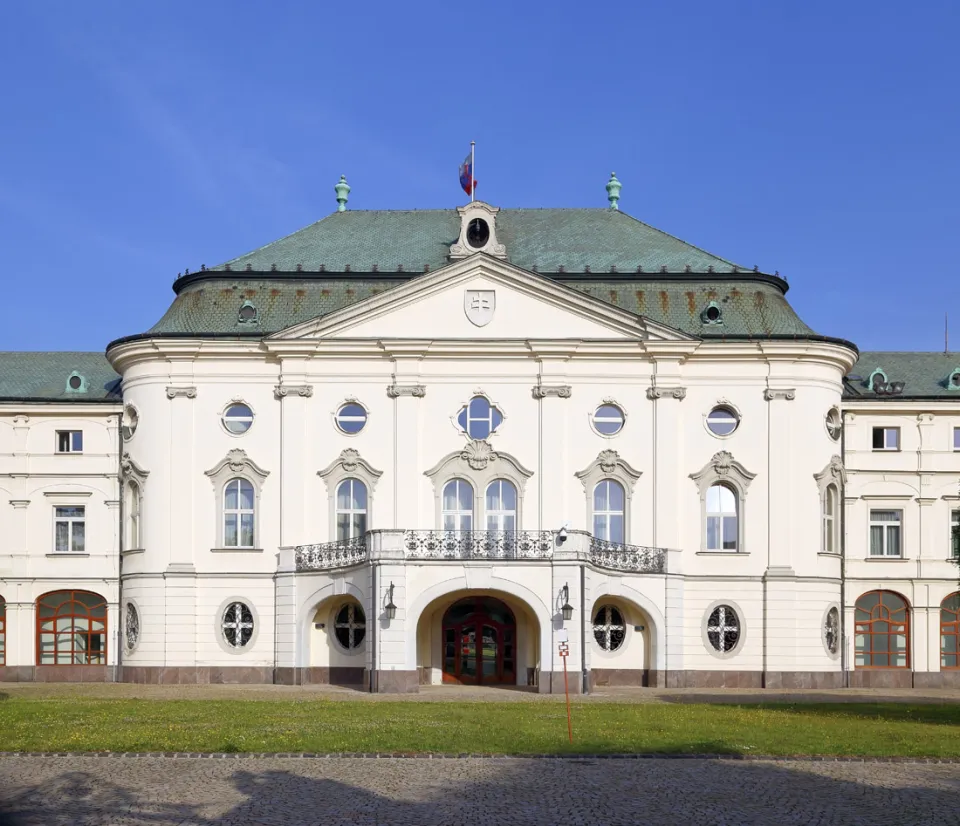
(482, 297)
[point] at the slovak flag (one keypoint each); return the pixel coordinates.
(466, 175)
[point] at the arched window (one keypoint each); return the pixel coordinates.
(3, 631)
(608, 502)
(722, 529)
(71, 628)
(882, 631)
(133, 515)
(830, 521)
(351, 509)
(457, 506)
(501, 506)
(950, 632)
(238, 514)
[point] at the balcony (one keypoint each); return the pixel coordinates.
(465, 546)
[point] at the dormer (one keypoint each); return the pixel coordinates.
(478, 232)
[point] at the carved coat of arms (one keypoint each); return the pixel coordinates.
(479, 305)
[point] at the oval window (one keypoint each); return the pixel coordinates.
(608, 419)
(834, 424)
(722, 421)
(351, 418)
(238, 418)
(478, 233)
(130, 421)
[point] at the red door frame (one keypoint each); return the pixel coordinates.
(476, 621)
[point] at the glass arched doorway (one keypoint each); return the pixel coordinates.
(479, 642)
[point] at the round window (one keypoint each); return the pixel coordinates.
(350, 626)
(834, 423)
(722, 421)
(238, 418)
(130, 421)
(351, 418)
(609, 629)
(608, 419)
(237, 624)
(76, 382)
(723, 629)
(132, 626)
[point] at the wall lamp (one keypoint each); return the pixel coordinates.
(566, 609)
(391, 608)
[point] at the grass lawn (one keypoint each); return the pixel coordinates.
(873, 729)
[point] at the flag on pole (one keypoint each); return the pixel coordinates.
(467, 180)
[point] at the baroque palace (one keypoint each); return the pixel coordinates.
(400, 448)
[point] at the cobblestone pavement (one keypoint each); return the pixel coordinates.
(460, 694)
(92, 791)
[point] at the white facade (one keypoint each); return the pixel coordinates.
(306, 506)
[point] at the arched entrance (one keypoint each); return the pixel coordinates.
(479, 642)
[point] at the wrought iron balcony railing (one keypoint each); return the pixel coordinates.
(633, 558)
(479, 544)
(340, 554)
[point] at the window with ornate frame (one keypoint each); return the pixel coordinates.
(131, 626)
(609, 501)
(831, 631)
(351, 509)
(881, 631)
(479, 466)
(457, 506)
(830, 482)
(479, 417)
(239, 513)
(719, 481)
(501, 505)
(954, 545)
(237, 625)
(237, 484)
(608, 483)
(3, 631)
(134, 502)
(950, 632)
(71, 628)
(237, 418)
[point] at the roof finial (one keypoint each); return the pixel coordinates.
(613, 190)
(343, 191)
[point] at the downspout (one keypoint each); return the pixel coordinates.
(844, 658)
(583, 629)
(121, 516)
(373, 632)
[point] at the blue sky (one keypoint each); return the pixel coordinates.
(819, 139)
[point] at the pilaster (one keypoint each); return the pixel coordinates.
(553, 511)
(406, 392)
(667, 451)
(779, 482)
(182, 482)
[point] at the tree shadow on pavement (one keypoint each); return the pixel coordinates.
(519, 792)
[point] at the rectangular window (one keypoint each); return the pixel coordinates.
(885, 533)
(955, 534)
(956, 438)
(69, 441)
(886, 438)
(69, 527)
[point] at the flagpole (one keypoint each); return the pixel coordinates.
(473, 170)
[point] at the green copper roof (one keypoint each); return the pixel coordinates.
(28, 376)
(212, 304)
(925, 375)
(545, 240)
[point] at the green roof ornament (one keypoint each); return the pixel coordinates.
(343, 191)
(613, 190)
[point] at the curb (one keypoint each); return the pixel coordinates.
(178, 755)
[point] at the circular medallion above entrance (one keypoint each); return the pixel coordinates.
(479, 642)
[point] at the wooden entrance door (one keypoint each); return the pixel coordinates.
(479, 642)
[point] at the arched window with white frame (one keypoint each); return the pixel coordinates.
(501, 506)
(608, 511)
(238, 514)
(457, 506)
(831, 498)
(722, 518)
(351, 509)
(134, 497)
